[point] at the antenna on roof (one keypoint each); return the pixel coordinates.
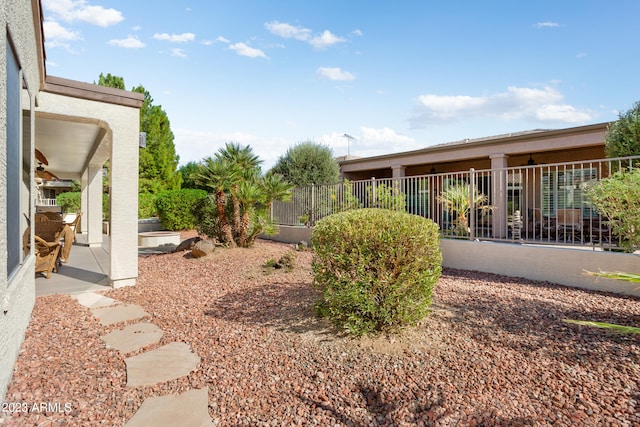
(349, 138)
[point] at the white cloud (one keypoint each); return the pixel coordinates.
(335, 74)
(288, 31)
(81, 10)
(56, 32)
(223, 40)
(533, 104)
(244, 50)
(130, 42)
(207, 42)
(546, 25)
(356, 32)
(325, 40)
(175, 38)
(178, 52)
(136, 28)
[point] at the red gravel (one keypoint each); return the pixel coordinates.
(494, 351)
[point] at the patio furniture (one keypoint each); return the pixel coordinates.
(569, 221)
(46, 256)
(74, 224)
(52, 216)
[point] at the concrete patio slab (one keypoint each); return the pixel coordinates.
(133, 337)
(118, 313)
(93, 300)
(187, 409)
(168, 362)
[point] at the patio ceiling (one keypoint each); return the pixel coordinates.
(66, 144)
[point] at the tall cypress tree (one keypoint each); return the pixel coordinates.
(158, 161)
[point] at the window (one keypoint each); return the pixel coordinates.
(13, 156)
(563, 189)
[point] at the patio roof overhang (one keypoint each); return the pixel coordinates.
(71, 142)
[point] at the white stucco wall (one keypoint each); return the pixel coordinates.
(535, 262)
(17, 294)
(545, 263)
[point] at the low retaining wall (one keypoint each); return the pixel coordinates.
(290, 234)
(563, 266)
(555, 265)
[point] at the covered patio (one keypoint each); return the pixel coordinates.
(79, 127)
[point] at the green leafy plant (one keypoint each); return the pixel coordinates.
(70, 201)
(176, 208)
(376, 269)
(618, 199)
(623, 136)
(456, 199)
(387, 197)
(627, 277)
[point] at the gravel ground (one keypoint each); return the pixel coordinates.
(494, 351)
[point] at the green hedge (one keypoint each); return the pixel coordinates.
(176, 208)
(376, 268)
(147, 205)
(71, 202)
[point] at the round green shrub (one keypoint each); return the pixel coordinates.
(376, 268)
(176, 208)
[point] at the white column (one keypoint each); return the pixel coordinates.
(92, 217)
(124, 205)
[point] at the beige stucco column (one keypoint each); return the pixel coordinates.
(124, 203)
(92, 216)
(499, 194)
(398, 171)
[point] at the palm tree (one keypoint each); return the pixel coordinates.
(219, 175)
(456, 199)
(247, 166)
(275, 187)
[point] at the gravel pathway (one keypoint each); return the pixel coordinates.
(494, 351)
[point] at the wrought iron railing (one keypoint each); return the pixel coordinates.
(545, 204)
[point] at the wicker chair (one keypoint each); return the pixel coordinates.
(74, 225)
(46, 256)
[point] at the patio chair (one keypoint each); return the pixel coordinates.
(569, 221)
(74, 225)
(46, 256)
(52, 216)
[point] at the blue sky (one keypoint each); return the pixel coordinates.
(395, 75)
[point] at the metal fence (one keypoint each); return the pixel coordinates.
(544, 204)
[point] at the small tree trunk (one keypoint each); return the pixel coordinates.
(221, 201)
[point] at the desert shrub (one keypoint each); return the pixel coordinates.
(617, 198)
(147, 205)
(176, 208)
(376, 268)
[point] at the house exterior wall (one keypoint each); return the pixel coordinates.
(17, 293)
(555, 146)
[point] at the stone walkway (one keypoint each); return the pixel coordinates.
(165, 363)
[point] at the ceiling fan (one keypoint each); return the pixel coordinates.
(40, 170)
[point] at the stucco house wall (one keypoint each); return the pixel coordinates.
(17, 293)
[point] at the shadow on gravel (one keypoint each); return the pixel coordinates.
(536, 321)
(285, 307)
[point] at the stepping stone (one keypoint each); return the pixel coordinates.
(118, 313)
(187, 409)
(133, 337)
(168, 362)
(93, 300)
